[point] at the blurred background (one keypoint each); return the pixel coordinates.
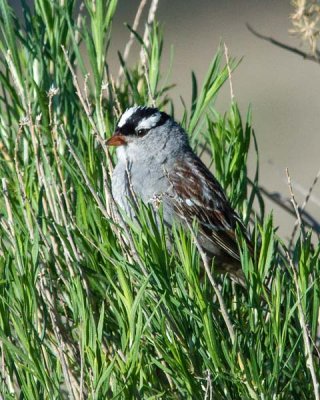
(282, 87)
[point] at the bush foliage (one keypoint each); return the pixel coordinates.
(91, 308)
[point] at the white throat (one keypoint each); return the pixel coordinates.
(129, 152)
(122, 154)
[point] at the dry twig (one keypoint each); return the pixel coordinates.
(151, 17)
(284, 46)
(131, 37)
(304, 204)
(293, 200)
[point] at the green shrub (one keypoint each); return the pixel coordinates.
(91, 310)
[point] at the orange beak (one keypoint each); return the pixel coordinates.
(116, 140)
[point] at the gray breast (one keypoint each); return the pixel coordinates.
(146, 181)
(119, 187)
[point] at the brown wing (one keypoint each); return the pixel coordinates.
(195, 193)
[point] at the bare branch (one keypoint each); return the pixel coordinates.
(131, 37)
(293, 200)
(151, 17)
(284, 46)
(304, 204)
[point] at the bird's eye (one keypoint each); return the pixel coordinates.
(142, 132)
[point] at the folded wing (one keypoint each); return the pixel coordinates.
(195, 193)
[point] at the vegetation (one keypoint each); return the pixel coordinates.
(92, 307)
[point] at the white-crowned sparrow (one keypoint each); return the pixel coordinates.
(156, 162)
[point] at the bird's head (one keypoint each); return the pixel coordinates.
(146, 130)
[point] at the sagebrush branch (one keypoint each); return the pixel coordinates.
(307, 56)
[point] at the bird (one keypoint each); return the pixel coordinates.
(156, 163)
